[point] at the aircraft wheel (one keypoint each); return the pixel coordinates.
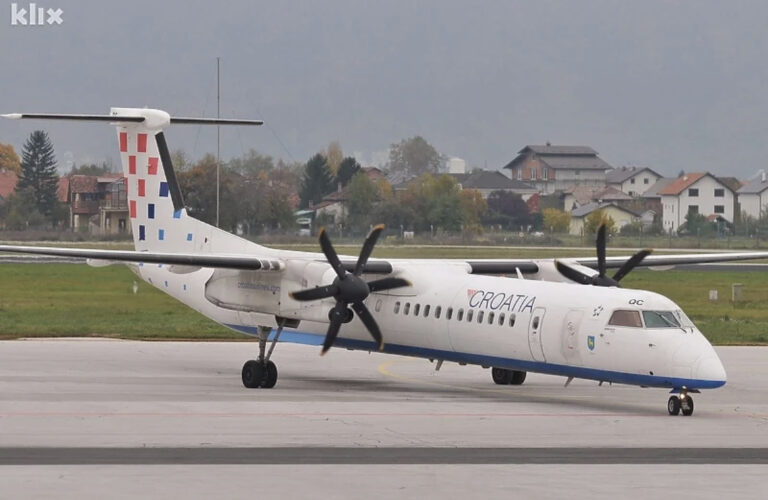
(253, 374)
(518, 377)
(501, 376)
(686, 405)
(673, 405)
(270, 376)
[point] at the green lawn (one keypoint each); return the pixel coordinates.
(77, 300)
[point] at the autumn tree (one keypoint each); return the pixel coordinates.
(435, 201)
(9, 160)
(473, 208)
(334, 156)
(316, 182)
(38, 172)
(198, 185)
(556, 220)
(414, 156)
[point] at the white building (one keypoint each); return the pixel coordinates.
(700, 193)
(753, 197)
(455, 166)
(632, 180)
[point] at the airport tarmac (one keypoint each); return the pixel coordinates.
(91, 417)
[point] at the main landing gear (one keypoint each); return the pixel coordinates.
(262, 372)
(502, 376)
(680, 402)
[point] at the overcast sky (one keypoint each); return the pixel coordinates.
(669, 85)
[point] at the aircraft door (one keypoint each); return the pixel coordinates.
(571, 345)
(534, 334)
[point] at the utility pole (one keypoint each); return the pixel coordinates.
(218, 139)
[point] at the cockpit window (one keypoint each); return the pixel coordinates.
(660, 319)
(626, 318)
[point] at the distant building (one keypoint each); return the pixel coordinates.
(632, 180)
(557, 168)
(456, 166)
(701, 193)
(578, 196)
(753, 196)
(8, 181)
(488, 181)
(620, 215)
(98, 204)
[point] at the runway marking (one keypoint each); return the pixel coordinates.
(386, 455)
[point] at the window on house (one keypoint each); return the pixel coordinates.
(693, 192)
(426, 310)
(720, 193)
(438, 310)
(693, 209)
(416, 308)
(532, 173)
(397, 307)
(545, 173)
(519, 174)
(632, 180)
(719, 209)
(460, 315)
(378, 305)
(480, 316)
(645, 180)
(470, 313)
(511, 320)
(407, 308)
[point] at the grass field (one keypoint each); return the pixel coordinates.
(77, 300)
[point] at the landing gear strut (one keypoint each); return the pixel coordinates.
(502, 376)
(680, 402)
(262, 372)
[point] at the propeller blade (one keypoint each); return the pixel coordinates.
(367, 249)
(367, 318)
(600, 244)
(338, 313)
(330, 254)
(321, 292)
(631, 263)
(572, 274)
(387, 284)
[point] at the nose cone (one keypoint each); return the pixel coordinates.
(709, 369)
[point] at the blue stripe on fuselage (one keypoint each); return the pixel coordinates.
(484, 360)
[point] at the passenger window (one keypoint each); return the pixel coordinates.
(426, 310)
(378, 305)
(449, 313)
(438, 310)
(536, 322)
(397, 307)
(490, 318)
(416, 308)
(460, 315)
(407, 308)
(480, 316)
(501, 319)
(470, 313)
(626, 318)
(511, 320)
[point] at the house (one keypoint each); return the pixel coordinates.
(98, 204)
(557, 168)
(632, 180)
(620, 215)
(753, 197)
(582, 195)
(8, 181)
(488, 181)
(701, 193)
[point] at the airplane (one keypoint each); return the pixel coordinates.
(563, 317)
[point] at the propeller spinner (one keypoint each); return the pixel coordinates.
(349, 289)
(601, 279)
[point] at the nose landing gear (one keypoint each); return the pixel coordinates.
(680, 402)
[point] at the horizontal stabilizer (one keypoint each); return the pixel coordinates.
(130, 119)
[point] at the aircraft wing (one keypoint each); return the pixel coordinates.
(676, 259)
(224, 261)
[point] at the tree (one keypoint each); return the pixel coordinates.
(91, 169)
(473, 208)
(414, 156)
(556, 220)
(9, 160)
(334, 156)
(508, 209)
(360, 196)
(38, 171)
(594, 220)
(316, 182)
(435, 201)
(251, 163)
(198, 184)
(21, 210)
(347, 170)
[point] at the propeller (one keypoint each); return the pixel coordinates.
(601, 279)
(349, 290)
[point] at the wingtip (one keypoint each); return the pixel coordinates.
(12, 116)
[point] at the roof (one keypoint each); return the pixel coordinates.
(677, 186)
(549, 149)
(653, 191)
(575, 162)
(83, 184)
(755, 186)
(731, 182)
(619, 175)
(62, 189)
(587, 209)
(585, 194)
(490, 179)
(8, 181)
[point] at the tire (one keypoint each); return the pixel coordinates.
(270, 376)
(518, 377)
(686, 405)
(501, 376)
(673, 405)
(252, 374)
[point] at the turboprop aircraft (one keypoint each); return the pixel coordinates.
(563, 317)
